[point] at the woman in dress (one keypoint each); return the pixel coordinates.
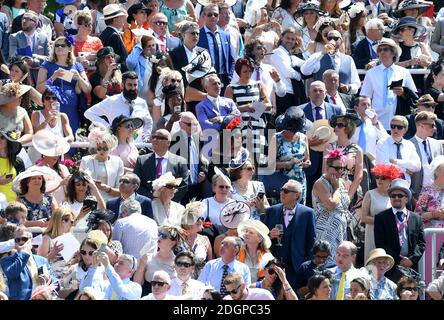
(68, 76)
(245, 93)
(331, 201)
(123, 128)
(435, 86)
(356, 31)
(284, 14)
(174, 106)
(310, 14)
(10, 164)
(377, 200)
(165, 210)
(293, 153)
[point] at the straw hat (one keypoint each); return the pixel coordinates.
(52, 179)
(426, 99)
(380, 253)
(391, 43)
(164, 180)
(259, 227)
(11, 91)
(112, 10)
(49, 144)
(321, 129)
(234, 213)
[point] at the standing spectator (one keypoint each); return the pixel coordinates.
(356, 29)
(376, 7)
(237, 289)
(177, 11)
(380, 262)
(128, 103)
(437, 41)
(344, 272)
(284, 14)
(10, 163)
(377, 200)
(137, 18)
(159, 25)
(388, 97)
(364, 55)
(298, 235)
(310, 12)
(399, 231)
(44, 23)
(435, 85)
(114, 19)
(134, 230)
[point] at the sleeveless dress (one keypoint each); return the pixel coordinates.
(252, 128)
(288, 150)
(37, 211)
(378, 203)
(331, 226)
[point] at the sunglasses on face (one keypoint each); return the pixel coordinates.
(157, 283)
(338, 168)
(224, 187)
(286, 191)
(161, 23)
(194, 33)
(128, 126)
(183, 264)
(47, 98)
(60, 45)
(84, 253)
(102, 149)
(396, 126)
(410, 288)
(175, 80)
(377, 177)
(21, 239)
(271, 271)
(235, 290)
(164, 236)
(339, 125)
(329, 38)
(124, 181)
(170, 186)
(212, 14)
(397, 195)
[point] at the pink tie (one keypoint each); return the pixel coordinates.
(159, 167)
(163, 46)
(333, 99)
(287, 216)
(258, 74)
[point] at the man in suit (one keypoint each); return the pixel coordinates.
(299, 231)
(316, 109)
(151, 166)
(437, 40)
(114, 19)
(186, 143)
(128, 185)
(159, 24)
(364, 55)
(218, 43)
(342, 100)
(399, 231)
(45, 24)
(427, 149)
(425, 103)
(22, 268)
(376, 7)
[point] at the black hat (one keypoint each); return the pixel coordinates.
(349, 115)
(15, 146)
(411, 4)
(171, 91)
(134, 9)
(137, 122)
(97, 215)
(105, 51)
(409, 22)
(293, 120)
(308, 6)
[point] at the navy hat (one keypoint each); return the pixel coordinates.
(137, 122)
(134, 9)
(105, 51)
(348, 115)
(293, 120)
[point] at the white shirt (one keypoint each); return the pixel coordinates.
(116, 105)
(386, 150)
(373, 87)
(338, 101)
(313, 64)
(373, 134)
(213, 209)
(427, 178)
(350, 274)
(284, 62)
(136, 232)
(191, 54)
(195, 288)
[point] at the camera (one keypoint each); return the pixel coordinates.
(117, 66)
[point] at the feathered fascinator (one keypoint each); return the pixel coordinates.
(388, 171)
(321, 21)
(355, 9)
(335, 154)
(69, 39)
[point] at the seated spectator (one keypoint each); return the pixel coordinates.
(10, 163)
(184, 284)
(237, 290)
(379, 262)
(359, 289)
(21, 268)
(137, 18)
(319, 286)
(434, 86)
(16, 213)
(104, 168)
(211, 294)
(435, 289)
(119, 286)
(106, 80)
(161, 284)
(407, 289)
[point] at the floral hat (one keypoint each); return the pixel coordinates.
(11, 136)
(11, 91)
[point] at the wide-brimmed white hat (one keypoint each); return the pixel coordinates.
(391, 43)
(49, 144)
(380, 253)
(52, 179)
(165, 180)
(113, 10)
(259, 227)
(322, 130)
(234, 213)
(199, 67)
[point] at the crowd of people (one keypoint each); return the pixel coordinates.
(221, 149)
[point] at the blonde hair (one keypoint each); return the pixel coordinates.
(55, 227)
(70, 59)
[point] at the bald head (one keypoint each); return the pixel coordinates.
(161, 141)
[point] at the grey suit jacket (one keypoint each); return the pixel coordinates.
(40, 45)
(417, 177)
(437, 40)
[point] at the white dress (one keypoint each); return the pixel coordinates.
(378, 203)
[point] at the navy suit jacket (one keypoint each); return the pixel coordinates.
(362, 54)
(299, 236)
(145, 203)
(315, 156)
(229, 52)
(18, 275)
(111, 38)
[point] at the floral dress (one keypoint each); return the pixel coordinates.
(288, 150)
(37, 211)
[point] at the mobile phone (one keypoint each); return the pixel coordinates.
(42, 270)
(261, 195)
(8, 176)
(102, 247)
(177, 109)
(90, 203)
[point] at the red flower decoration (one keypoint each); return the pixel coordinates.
(207, 224)
(234, 123)
(336, 154)
(388, 171)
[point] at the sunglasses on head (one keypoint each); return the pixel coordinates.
(397, 195)
(235, 291)
(157, 283)
(339, 125)
(84, 253)
(329, 38)
(286, 191)
(183, 264)
(396, 126)
(21, 239)
(102, 148)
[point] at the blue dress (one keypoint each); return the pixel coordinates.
(69, 103)
(288, 150)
